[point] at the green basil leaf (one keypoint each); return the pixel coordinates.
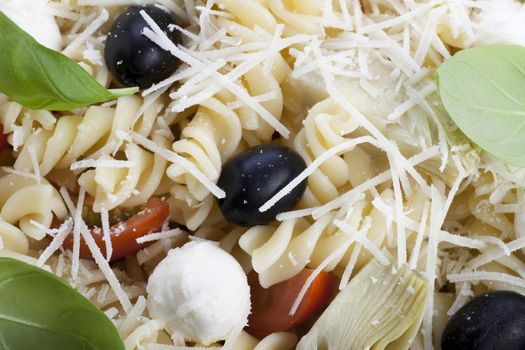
(483, 90)
(40, 78)
(40, 311)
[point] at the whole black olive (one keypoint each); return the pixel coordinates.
(253, 177)
(491, 321)
(131, 57)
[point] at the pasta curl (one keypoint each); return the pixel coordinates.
(328, 125)
(208, 140)
(279, 253)
(299, 16)
(222, 125)
(74, 137)
(19, 122)
(127, 186)
(27, 204)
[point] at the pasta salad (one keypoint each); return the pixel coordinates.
(262, 174)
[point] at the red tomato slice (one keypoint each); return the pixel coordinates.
(124, 235)
(3, 139)
(271, 307)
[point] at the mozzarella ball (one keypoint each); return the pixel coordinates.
(33, 17)
(200, 291)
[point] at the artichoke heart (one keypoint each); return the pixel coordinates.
(381, 308)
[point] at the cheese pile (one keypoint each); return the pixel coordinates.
(376, 60)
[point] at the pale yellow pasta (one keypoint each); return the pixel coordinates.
(326, 72)
(24, 199)
(302, 17)
(217, 129)
(192, 214)
(207, 141)
(279, 253)
(264, 78)
(75, 137)
(13, 239)
(20, 122)
(326, 125)
(481, 208)
(275, 341)
(128, 186)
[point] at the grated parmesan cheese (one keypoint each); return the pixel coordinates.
(104, 267)
(104, 217)
(102, 163)
(158, 236)
(476, 276)
(61, 234)
(76, 235)
(88, 32)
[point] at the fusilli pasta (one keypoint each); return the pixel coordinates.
(25, 202)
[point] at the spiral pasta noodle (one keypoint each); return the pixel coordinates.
(13, 239)
(95, 135)
(218, 130)
(75, 137)
(275, 341)
(210, 138)
(24, 200)
(129, 186)
(279, 253)
(19, 122)
(327, 126)
(299, 16)
(151, 331)
(358, 76)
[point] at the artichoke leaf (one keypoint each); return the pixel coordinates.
(380, 309)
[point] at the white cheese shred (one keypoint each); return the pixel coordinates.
(480, 275)
(76, 236)
(371, 183)
(104, 218)
(89, 31)
(338, 252)
(156, 35)
(102, 163)
(432, 253)
(316, 273)
(63, 231)
(157, 236)
(132, 318)
(34, 163)
(105, 268)
(181, 161)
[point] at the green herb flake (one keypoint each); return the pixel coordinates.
(40, 311)
(40, 78)
(483, 90)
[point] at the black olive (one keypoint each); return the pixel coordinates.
(131, 57)
(253, 177)
(490, 321)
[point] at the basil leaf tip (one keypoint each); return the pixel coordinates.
(40, 311)
(483, 91)
(40, 78)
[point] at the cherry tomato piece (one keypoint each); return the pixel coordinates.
(3, 139)
(124, 235)
(271, 307)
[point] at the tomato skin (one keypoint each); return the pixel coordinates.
(124, 235)
(3, 139)
(271, 307)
